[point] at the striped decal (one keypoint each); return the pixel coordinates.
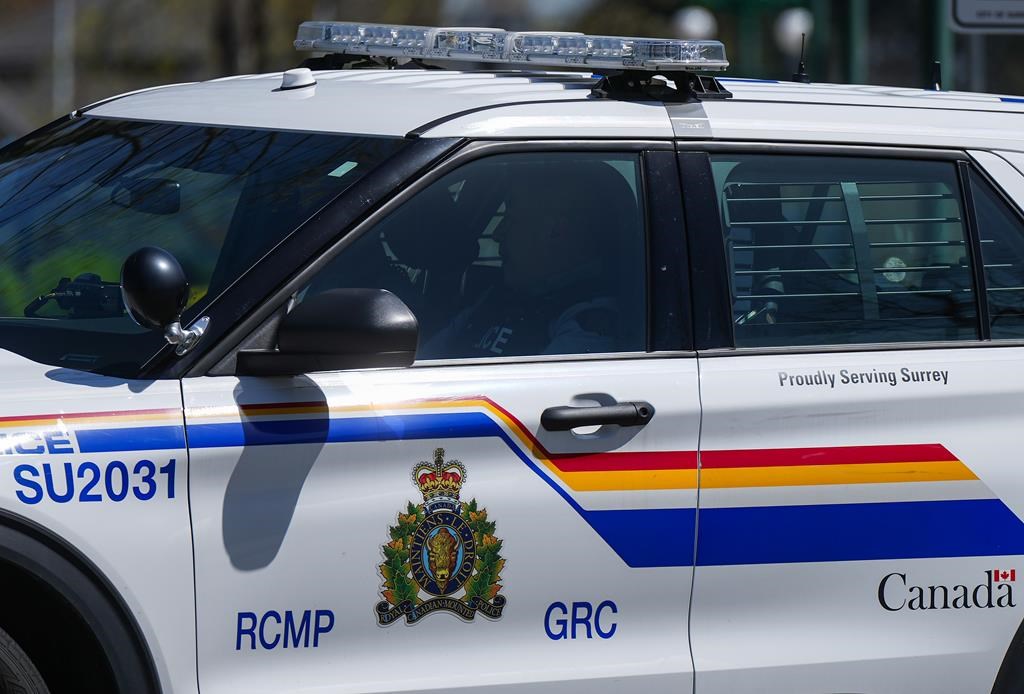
(786, 467)
(57, 420)
(909, 522)
(636, 535)
(593, 472)
(158, 438)
(858, 532)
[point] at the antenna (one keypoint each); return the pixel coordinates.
(936, 82)
(801, 69)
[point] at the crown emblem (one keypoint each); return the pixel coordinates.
(442, 555)
(439, 481)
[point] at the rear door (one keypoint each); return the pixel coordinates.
(855, 522)
(420, 528)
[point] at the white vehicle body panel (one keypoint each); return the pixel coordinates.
(798, 610)
(638, 121)
(293, 527)
(357, 102)
(290, 527)
(143, 547)
(504, 105)
(1017, 159)
(864, 124)
(1008, 178)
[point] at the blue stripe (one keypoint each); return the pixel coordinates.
(346, 430)
(746, 79)
(641, 537)
(1012, 99)
(665, 537)
(130, 439)
(647, 537)
(857, 532)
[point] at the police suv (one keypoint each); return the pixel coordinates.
(579, 373)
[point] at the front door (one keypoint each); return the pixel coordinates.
(853, 536)
(415, 529)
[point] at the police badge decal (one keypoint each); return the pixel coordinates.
(443, 554)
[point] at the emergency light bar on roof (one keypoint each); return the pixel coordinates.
(514, 48)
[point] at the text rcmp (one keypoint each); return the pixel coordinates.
(291, 629)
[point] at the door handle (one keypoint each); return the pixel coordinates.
(627, 414)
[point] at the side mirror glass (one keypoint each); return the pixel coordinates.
(155, 291)
(339, 329)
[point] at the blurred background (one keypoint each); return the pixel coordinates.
(56, 55)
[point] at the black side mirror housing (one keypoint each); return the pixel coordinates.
(154, 288)
(338, 329)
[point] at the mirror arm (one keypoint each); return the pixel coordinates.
(186, 339)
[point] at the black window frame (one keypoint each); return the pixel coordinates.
(712, 311)
(231, 312)
(971, 170)
(665, 247)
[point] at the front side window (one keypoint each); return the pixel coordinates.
(513, 255)
(77, 198)
(829, 250)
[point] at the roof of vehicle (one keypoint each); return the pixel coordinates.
(442, 103)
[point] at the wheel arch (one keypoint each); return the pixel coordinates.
(52, 560)
(1010, 678)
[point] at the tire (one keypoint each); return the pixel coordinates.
(17, 673)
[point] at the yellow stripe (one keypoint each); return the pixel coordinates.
(867, 473)
(218, 411)
(775, 476)
(70, 421)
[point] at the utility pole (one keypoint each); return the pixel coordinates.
(63, 56)
(942, 42)
(857, 42)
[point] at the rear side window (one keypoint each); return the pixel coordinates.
(829, 250)
(1002, 249)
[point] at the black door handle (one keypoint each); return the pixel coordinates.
(627, 414)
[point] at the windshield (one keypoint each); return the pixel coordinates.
(80, 196)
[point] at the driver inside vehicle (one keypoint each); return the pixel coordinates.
(558, 289)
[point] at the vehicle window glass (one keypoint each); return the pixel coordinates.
(78, 198)
(841, 250)
(1001, 233)
(511, 255)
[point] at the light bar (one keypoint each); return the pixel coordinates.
(536, 49)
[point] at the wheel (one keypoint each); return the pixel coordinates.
(17, 673)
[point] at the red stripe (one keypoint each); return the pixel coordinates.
(617, 462)
(282, 405)
(843, 455)
(83, 415)
(605, 462)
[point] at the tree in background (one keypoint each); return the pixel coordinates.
(120, 45)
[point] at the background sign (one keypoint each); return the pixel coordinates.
(987, 16)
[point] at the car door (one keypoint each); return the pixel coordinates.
(857, 472)
(419, 528)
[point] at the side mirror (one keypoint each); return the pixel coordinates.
(339, 329)
(155, 290)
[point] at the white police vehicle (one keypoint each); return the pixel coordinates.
(513, 379)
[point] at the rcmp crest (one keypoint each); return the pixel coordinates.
(443, 555)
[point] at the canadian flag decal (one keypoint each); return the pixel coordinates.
(999, 575)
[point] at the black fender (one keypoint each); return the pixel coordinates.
(52, 560)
